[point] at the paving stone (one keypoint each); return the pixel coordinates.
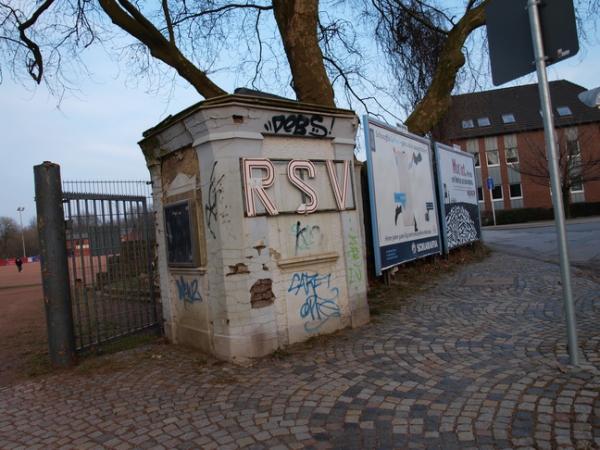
(459, 366)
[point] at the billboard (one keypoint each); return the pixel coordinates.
(402, 195)
(459, 207)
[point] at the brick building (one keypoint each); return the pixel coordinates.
(504, 129)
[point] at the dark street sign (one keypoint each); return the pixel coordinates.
(509, 36)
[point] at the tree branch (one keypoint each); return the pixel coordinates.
(437, 100)
(221, 9)
(127, 17)
(260, 48)
(165, 7)
(35, 66)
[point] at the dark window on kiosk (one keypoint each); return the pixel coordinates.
(181, 246)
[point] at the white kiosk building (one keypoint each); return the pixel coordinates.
(259, 224)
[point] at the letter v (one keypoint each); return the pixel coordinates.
(340, 194)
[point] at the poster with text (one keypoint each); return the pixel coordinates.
(458, 197)
(402, 195)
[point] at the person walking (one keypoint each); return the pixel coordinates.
(19, 263)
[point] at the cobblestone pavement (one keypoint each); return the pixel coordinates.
(477, 362)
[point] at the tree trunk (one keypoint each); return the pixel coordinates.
(436, 102)
(297, 23)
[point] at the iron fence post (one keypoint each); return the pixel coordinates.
(148, 217)
(54, 264)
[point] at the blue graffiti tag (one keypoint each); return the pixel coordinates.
(188, 291)
(320, 309)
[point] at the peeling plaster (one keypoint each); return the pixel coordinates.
(237, 269)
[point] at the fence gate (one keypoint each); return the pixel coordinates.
(110, 251)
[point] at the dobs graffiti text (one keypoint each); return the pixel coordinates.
(299, 125)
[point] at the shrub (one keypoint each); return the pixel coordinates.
(521, 215)
(585, 209)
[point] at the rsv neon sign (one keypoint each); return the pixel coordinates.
(259, 176)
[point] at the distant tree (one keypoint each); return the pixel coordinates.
(578, 162)
(9, 238)
(32, 243)
(11, 243)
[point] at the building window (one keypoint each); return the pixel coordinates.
(577, 184)
(497, 193)
(512, 156)
(515, 191)
(480, 194)
(492, 158)
(564, 111)
(508, 118)
(468, 124)
(484, 122)
(476, 159)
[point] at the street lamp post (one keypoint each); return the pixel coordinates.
(21, 209)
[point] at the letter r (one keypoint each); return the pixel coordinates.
(258, 185)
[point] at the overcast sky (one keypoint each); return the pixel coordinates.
(94, 134)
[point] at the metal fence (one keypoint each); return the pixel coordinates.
(110, 249)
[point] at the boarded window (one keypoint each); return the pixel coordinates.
(180, 234)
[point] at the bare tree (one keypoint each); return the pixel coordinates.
(10, 244)
(578, 161)
(312, 46)
(32, 243)
(10, 238)
(321, 49)
(47, 38)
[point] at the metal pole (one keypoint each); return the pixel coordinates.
(55, 270)
(559, 215)
(492, 203)
(21, 209)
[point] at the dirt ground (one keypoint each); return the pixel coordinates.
(22, 322)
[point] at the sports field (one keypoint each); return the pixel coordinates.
(22, 322)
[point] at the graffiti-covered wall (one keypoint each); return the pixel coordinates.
(260, 235)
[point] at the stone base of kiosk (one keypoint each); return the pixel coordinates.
(260, 239)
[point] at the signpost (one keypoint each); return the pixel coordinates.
(509, 36)
(490, 186)
(553, 34)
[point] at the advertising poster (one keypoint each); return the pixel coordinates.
(458, 197)
(402, 195)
